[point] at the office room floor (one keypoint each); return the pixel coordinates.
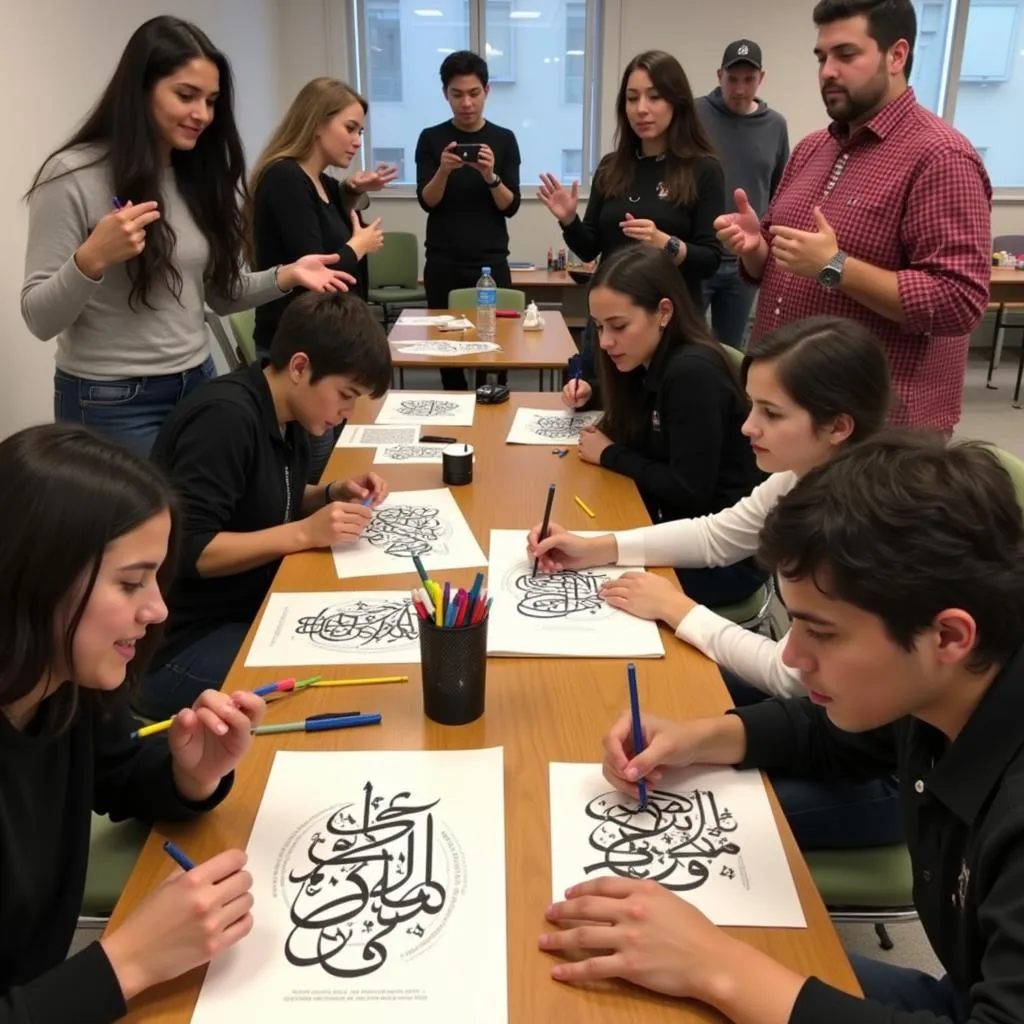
(987, 416)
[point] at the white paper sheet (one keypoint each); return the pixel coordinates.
(379, 888)
(373, 627)
(549, 426)
(445, 348)
(708, 834)
(436, 408)
(429, 524)
(355, 435)
(558, 615)
(406, 454)
(413, 320)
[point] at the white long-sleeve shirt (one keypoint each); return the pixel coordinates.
(725, 538)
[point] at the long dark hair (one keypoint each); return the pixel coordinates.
(67, 495)
(210, 177)
(646, 276)
(686, 141)
(829, 365)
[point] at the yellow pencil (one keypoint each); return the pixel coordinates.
(149, 730)
(582, 504)
(360, 682)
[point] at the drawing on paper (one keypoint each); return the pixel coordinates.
(560, 428)
(558, 595)
(368, 883)
(428, 407)
(445, 348)
(678, 841)
(406, 452)
(386, 623)
(406, 530)
(357, 436)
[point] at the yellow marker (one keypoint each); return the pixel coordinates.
(579, 501)
(149, 730)
(361, 682)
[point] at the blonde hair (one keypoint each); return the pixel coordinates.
(294, 138)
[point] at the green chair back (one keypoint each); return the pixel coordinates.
(1015, 467)
(114, 847)
(873, 878)
(396, 264)
(508, 298)
(243, 326)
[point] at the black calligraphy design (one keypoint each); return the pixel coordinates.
(558, 595)
(404, 452)
(368, 881)
(386, 435)
(560, 428)
(405, 530)
(676, 841)
(361, 624)
(428, 407)
(446, 348)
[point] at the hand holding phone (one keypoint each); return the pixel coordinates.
(468, 152)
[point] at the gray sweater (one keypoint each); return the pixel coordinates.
(99, 336)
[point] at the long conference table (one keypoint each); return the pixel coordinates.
(539, 709)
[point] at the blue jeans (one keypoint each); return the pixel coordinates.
(203, 665)
(906, 989)
(730, 299)
(130, 410)
(830, 815)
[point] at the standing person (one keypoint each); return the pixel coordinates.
(468, 204)
(135, 225)
(87, 540)
(295, 208)
(753, 141)
(885, 216)
(662, 186)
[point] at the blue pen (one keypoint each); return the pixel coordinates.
(449, 615)
(319, 723)
(638, 729)
(182, 858)
(474, 595)
(368, 501)
(420, 570)
(118, 205)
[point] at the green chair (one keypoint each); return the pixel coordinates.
(508, 298)
(114, 848)
(243, 325)
(394, 273)
(1015, 467)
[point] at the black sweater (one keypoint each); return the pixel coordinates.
(466, 226)
(599, 234)
(290, 221)
(50, 783)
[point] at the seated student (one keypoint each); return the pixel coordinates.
(85, 529)
(816, 386)
(673, 407)
(902, 564)
(238, 454)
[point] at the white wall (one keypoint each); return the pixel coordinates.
(57, 55)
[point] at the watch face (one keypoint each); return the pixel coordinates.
(829, 277)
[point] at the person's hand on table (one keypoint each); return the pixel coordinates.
(592, 443)
(648, 596)
(561, 549)
(576, 394)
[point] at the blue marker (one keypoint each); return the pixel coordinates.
(638, 729)
(182, 858)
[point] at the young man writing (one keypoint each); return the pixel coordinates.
(753, 141)
(237, 453)
(468, 202)
(902, 566)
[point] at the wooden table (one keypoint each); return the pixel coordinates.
(538, 709)
(1006, 285)
(554, 288)
(547, 350)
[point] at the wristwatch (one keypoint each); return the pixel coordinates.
(495, 183)
(831, 274)
(672, 246)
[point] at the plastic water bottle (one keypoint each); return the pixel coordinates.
(486, 306)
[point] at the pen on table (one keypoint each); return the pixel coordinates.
(181, 858)
(284, 686)
(544, 525)
(320, 723)
(361, 682)
(421, 610)
(420, 570)
(583, 505)
(638, 729)
(474, 594)
(447, 598)
(436, 439)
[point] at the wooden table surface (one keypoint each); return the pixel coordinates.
(1007, 285)
(538, 709)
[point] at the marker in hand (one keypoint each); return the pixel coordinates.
(544, 525)
(638, 729)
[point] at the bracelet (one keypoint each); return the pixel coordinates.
(277, 283)
(327, 494)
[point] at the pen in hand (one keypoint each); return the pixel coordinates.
(638, 729)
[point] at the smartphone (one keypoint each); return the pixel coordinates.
(468, 152)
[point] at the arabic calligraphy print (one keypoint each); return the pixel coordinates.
(442, 408)
(445, 348)
(355, 435)
(374, 872)
(341, 628)
(549, 426)
(559, 614)
(409, 454)
(428, 524)
(707, 834)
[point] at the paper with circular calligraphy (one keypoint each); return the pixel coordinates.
(374, 872)
(435, 408)
(445, 349)
(562, 614)
(409, 454)
(549, 426)
(708, 834)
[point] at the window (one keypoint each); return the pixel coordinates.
(931, 54)
(390, 155)
(572, 165)
(539, 55)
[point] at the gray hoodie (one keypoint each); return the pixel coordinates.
(754, 148)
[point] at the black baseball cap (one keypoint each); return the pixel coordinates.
(743, 51)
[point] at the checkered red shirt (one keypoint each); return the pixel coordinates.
(906, 193)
